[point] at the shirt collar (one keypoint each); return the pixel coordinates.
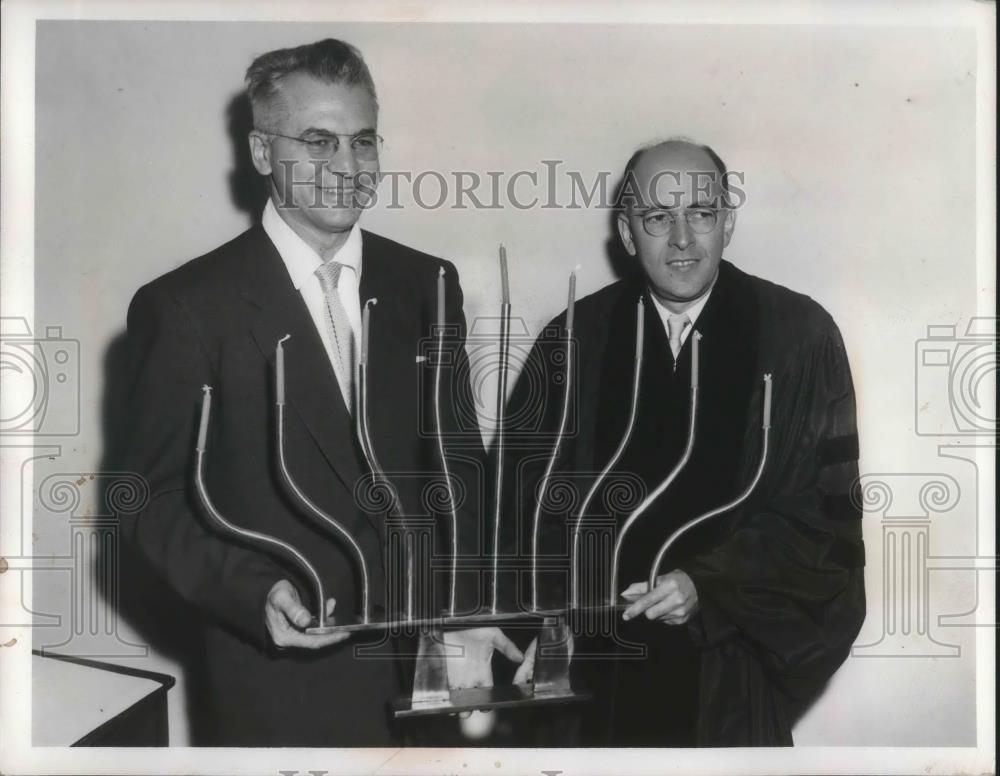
(300, 260)
(692, 312)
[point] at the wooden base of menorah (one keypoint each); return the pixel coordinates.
(550, 682)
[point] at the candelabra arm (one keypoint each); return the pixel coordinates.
(560, 433)
(667, 482)
(654, 570)
(626, 438)
(299, 495)
(271, 543)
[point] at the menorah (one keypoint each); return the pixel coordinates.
(431, 692)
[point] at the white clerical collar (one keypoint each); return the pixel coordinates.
(692, 312)
(302, 261)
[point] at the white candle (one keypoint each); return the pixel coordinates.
(504, 282)
(696, 337)
(767, 401)
(640, 326)
(206, 403)
(572, 300)
(440, 309)
(279, 371)
(365, 327)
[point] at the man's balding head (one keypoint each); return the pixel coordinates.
(708, 166)
(675, 218)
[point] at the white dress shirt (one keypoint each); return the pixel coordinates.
(692, 312)
(301, 261)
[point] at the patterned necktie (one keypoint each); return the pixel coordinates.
(339, 327)
(676, 324)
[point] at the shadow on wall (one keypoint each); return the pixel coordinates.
(247, 187)
(144, 601)
(622, 265)
(164, 622)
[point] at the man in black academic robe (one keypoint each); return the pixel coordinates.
(758, 607)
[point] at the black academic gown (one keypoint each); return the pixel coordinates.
(780, 580)
(215, 321)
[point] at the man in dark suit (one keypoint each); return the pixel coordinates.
(757, 609)
(303, 273)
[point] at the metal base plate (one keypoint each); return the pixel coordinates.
(315, 630)
(458, 621)
(485, 698)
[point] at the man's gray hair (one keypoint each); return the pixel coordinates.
(330, 60)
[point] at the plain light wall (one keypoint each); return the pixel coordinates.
(858, 149)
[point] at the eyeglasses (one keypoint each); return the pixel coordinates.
(700, 220)
(324, 145)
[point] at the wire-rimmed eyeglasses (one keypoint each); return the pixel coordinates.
(658, 222)
(324, 145)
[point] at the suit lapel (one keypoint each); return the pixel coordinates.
(310, 385)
